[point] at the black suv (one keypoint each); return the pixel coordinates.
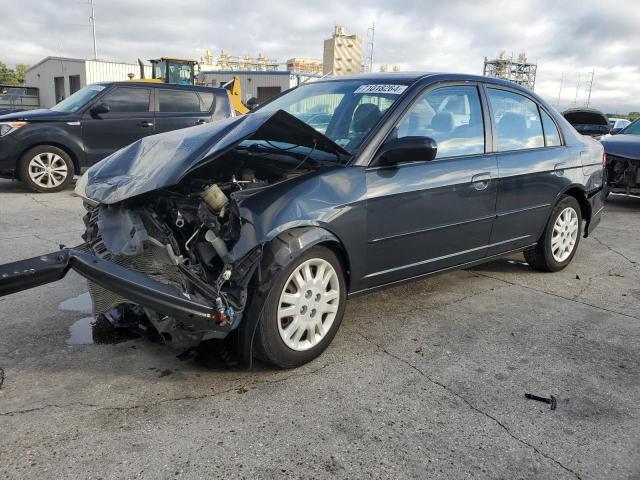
(45, 148)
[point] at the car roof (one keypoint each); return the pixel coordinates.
(175, 86)
(414, 77)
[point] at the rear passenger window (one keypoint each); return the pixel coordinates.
(452, 116)
(127, 100)
(551, 135)
(517, 121)
(178, 101)
(206, 101)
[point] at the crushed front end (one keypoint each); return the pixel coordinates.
(623, 175)
(180, 238)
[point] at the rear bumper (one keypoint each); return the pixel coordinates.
(596, 202)
(135, 287)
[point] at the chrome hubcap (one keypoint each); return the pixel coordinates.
(308, 304)
(48, 170)
(565, 234)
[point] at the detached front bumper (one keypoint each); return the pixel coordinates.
(135, 287)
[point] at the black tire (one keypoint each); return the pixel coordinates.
(541, 256)
(270, 345)
(47, 185)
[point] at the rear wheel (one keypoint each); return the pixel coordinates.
(560, 240)
(46, 169)
(303, 309)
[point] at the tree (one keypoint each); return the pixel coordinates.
(7, 76)
(21, 71)
(12, 77)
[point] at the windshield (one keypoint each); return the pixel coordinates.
(78, 99)
(633, 129)
(345, 111)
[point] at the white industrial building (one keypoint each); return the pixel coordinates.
(259, 84)
(58, 77)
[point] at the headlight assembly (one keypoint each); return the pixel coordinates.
(7, 127)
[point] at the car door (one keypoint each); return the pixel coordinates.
(177, 108)
(427, 216)
(129, 118)
(532, 162)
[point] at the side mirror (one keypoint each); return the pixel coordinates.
(407, 149)
(252, 103)
(615, 131)
(99, 109)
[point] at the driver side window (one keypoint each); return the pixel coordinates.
(452, 116)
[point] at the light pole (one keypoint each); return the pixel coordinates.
(93, 28)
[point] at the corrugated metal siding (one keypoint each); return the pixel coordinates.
(249, 82)
(98, 71)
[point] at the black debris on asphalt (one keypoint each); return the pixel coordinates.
(551, 400)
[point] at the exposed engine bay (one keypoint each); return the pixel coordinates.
(623, 175)
(182, 236)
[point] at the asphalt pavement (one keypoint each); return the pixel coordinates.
(426, 380)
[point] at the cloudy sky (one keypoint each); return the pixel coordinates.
(568, 39)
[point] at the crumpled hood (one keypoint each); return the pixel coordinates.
(623, 145)
(163, 160)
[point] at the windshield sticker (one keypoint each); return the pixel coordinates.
(393, 89)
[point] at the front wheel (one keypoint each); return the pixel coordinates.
(46, 168)
(303, 309)
(560, 239)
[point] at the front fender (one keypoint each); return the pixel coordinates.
(278, 253)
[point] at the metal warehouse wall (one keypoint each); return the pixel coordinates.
(250, 81)
(42, 76)
(99, 71)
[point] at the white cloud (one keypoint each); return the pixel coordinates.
(571, 37)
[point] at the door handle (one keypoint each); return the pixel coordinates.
(200, 122)
(145, 124)
(558, 169)
(481, 181)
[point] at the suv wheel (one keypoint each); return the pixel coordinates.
(560, 239)
(303, 310)
(46, 169)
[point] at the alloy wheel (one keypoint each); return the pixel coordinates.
(565, 234)
(47, 170)
(308, 304)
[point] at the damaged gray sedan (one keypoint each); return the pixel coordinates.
(256, 229)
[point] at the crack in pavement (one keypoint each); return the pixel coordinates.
(468, 403)
(97, 407)
(632, 262)
(557, 295)
(590, 280)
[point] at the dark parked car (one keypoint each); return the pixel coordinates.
(588, 121)
(260, 227)
(45, 148)
(623, 160)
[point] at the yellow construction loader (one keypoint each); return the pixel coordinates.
(183, 71)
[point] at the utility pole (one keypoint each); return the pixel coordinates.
(590, 87)
(93, 28)
(372, 29)
(560, 91)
